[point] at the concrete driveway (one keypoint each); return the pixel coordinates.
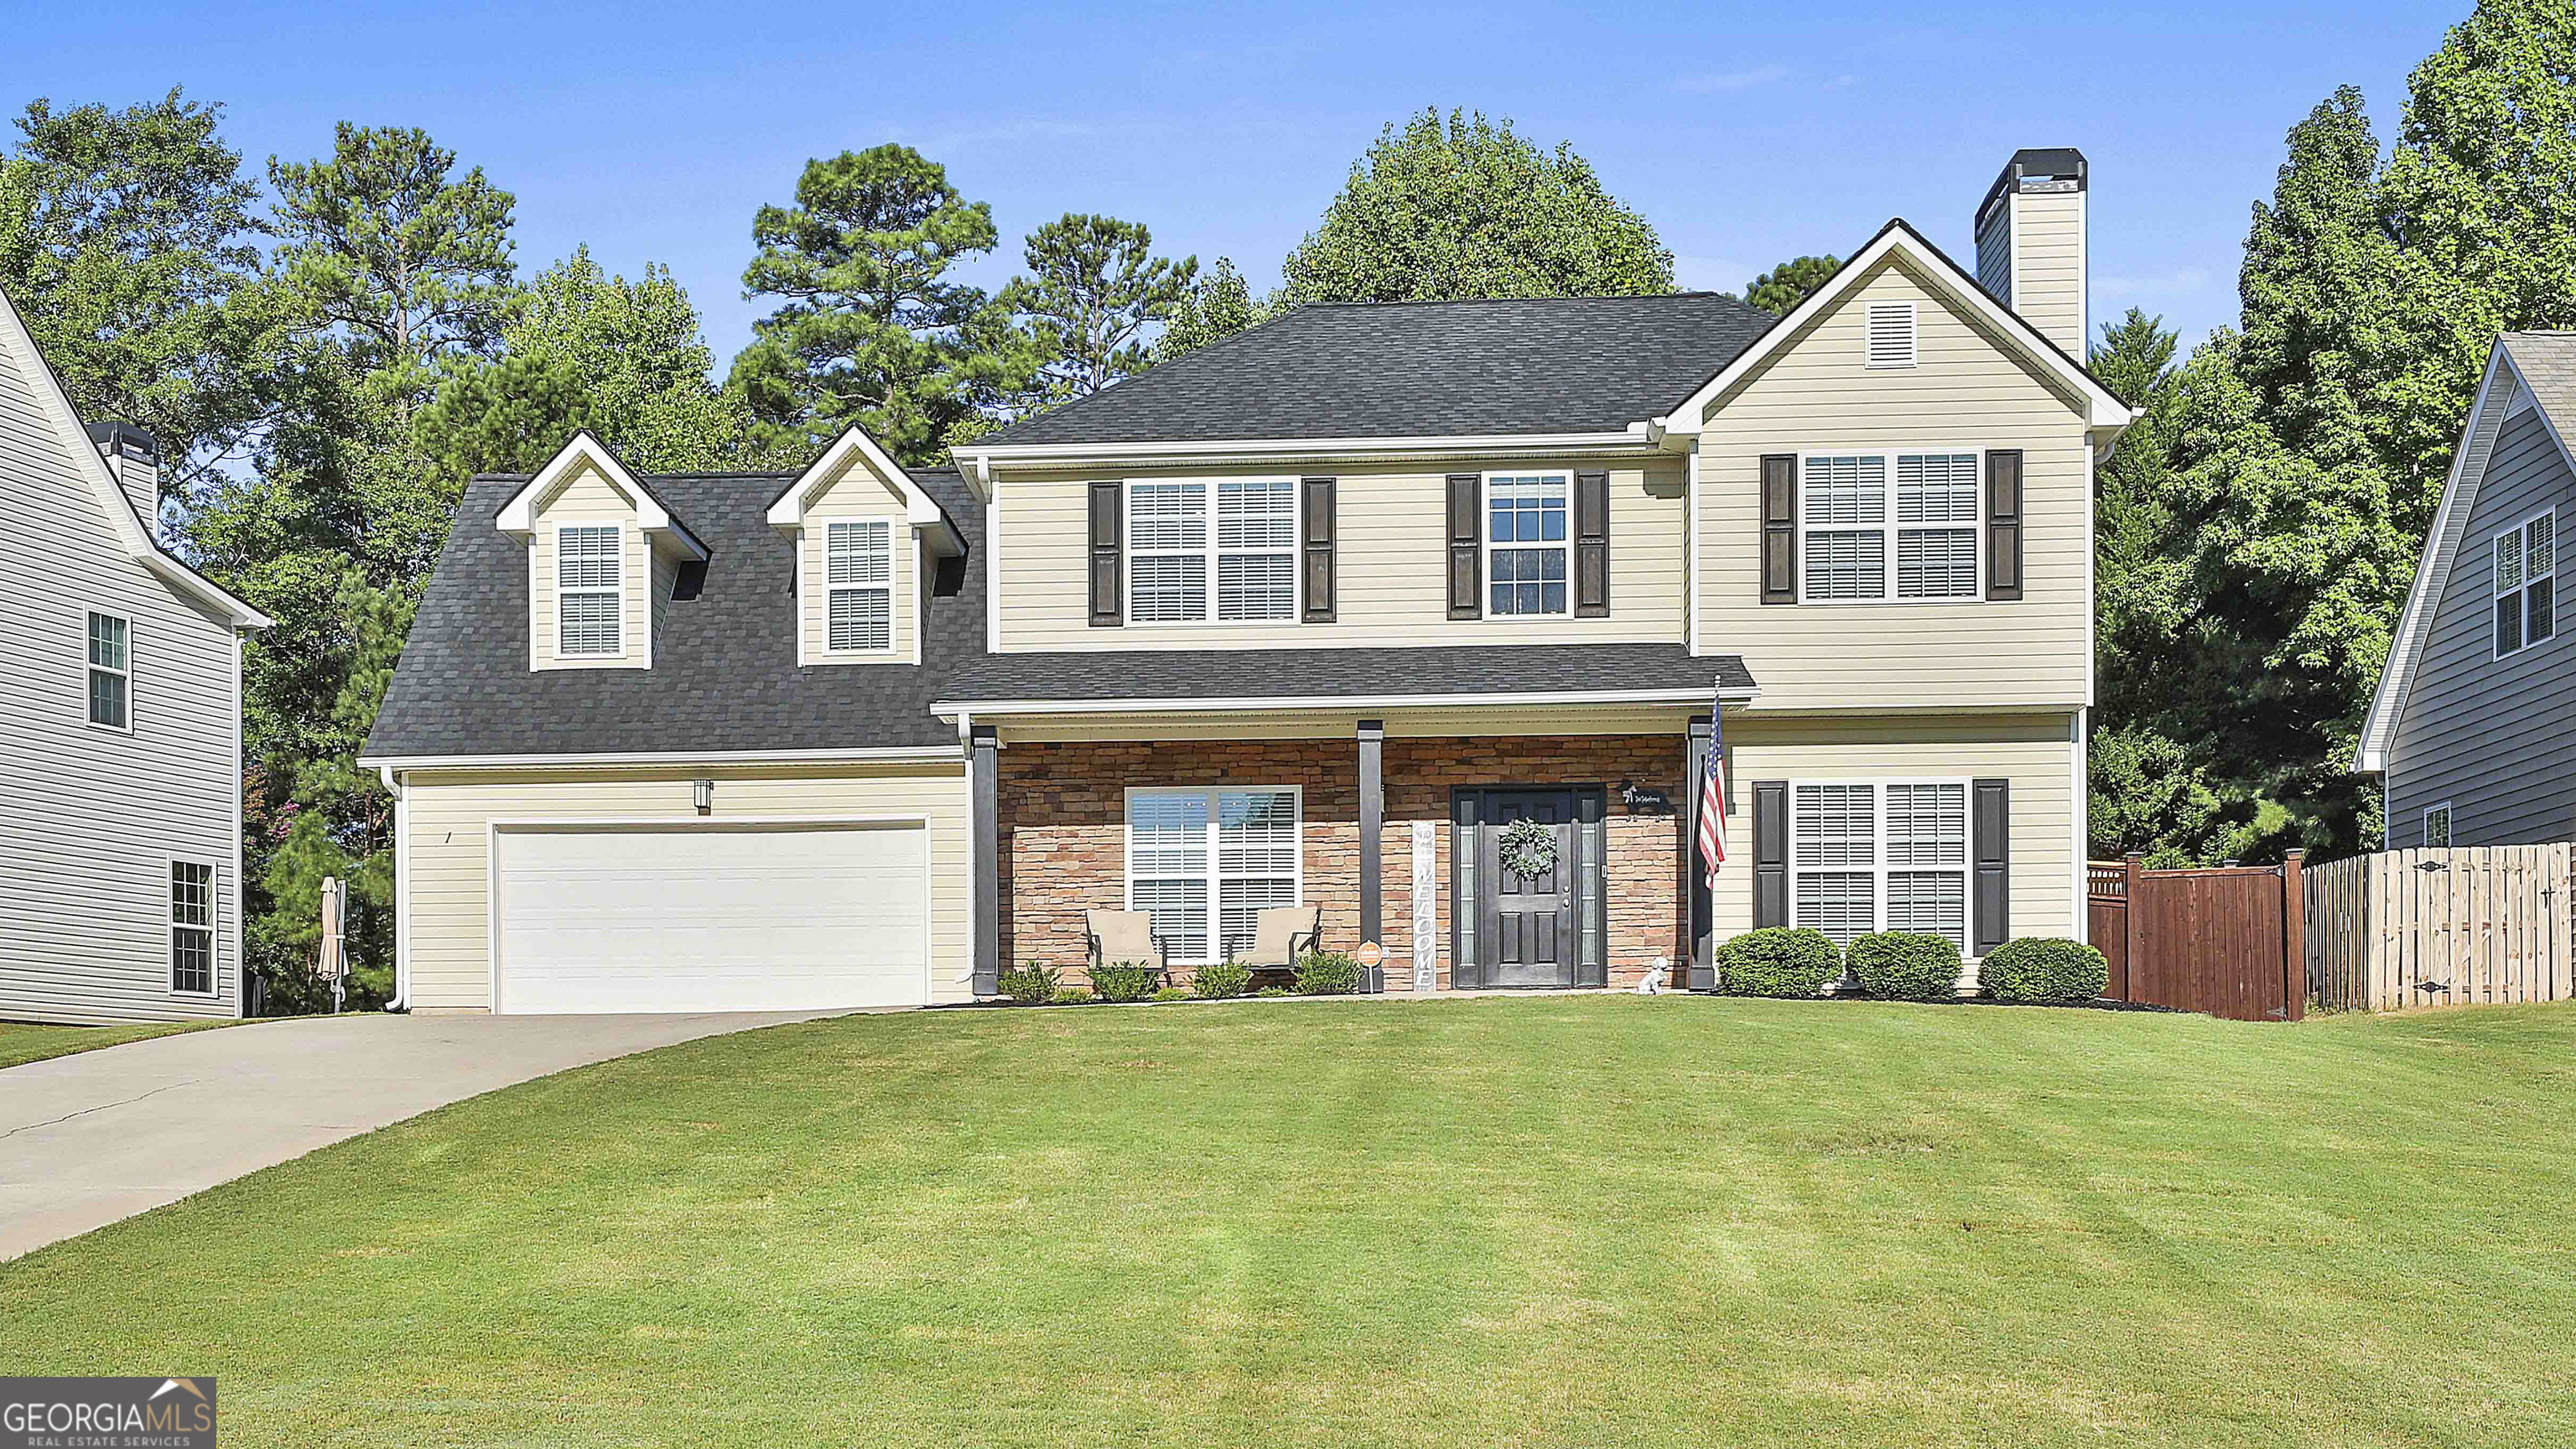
(101, 1135)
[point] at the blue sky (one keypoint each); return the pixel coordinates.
(653, 131)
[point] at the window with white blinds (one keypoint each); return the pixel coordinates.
(1891, 334)
(1237, 534)
(1849, 528)
(2526, 584)
(858, 584)
(1203, 863)
(1880, 857)
(590, 613)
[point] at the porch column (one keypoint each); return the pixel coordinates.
(1703, 951)
(1372, 741)
(984, 747)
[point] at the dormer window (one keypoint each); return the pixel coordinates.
(859, 570)
(590, 615)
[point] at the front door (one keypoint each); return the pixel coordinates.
(1527, 922)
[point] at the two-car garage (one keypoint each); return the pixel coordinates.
(611, 916)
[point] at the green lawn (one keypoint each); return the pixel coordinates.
(26, 1041)
(1581, 1221)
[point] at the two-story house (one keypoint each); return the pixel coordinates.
(1309, 616)
(2473, 728)
(121, 850)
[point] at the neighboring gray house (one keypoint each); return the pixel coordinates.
(120, 852)
(2473, 731)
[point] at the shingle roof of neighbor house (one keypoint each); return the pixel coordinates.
(724, 675)
(1421, 369)
(1290, 674)
(2547, 362)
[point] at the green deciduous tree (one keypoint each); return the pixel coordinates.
(1218, 304)
(1439, 210)
(1094, 288)
(871, 329)
(1787, 285)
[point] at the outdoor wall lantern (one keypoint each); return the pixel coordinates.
(702, 793)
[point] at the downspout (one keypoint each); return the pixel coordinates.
(402, 882)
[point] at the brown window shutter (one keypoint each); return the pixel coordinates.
(1990, 826)
(1108, 558)
(2003, 524)
(1779, 528)
(1592, 545)
(1770, 853)
(1315, 507)
(1466, 553)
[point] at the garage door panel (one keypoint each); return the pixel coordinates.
(711, 919)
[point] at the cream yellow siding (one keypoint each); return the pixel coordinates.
(2036, 752)
(1967, 392)
(446, 890)
(857, 496)
(2048, 265)
(1391, 563)
(588, 498)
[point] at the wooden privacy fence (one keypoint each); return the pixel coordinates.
(2225, 941)
(2432, 927)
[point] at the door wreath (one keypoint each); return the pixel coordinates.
(1528, 849)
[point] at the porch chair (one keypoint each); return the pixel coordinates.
(1280, 934)
(1117, 936)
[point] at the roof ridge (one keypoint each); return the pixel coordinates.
(1568, 297)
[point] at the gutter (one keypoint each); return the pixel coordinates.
(672, 758)
(1281, 704)
(402, 883)
(980, 462)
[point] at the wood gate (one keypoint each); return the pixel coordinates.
(2442, 926)
(2229, 941)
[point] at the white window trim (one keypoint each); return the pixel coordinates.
(127, 673)
(1210, 552)
(1215, 866)
(2521, 532)
(213, 927)
(2427, 824)
(1913, 335)
(1890, 528)
(617, 540)
(1485, 537)
(893, 579)
(1879, 870)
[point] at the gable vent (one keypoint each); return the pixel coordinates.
(1891, 334)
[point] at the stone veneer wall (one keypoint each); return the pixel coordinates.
(1063, 818)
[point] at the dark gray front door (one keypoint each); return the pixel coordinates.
(1526, 922)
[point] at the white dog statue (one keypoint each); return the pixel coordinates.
(1653, 984)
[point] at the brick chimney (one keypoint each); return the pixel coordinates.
(2030, 243)
(137, 461)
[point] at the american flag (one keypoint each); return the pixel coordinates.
(1712, 793)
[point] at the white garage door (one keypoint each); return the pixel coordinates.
(710, 918)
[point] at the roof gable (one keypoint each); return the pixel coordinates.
(586, 454)
(855, 451)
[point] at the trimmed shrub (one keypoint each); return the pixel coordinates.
(2044, 969)
(1274, 991)
(1777, 961)
(1171, 993)
(1124, 981)
(1221, 980)
(1073, 996)
(1907, 965)
(1032, 985)
(1327, 973)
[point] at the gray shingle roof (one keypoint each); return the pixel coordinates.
(724, 673)
(1421, 369)
(2547, 362)
(1336, 673)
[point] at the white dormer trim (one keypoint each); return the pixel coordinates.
(137, 540)
(919, 509)
(1939, 273)
(518, 516)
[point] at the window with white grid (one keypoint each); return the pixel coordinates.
(1167, 552)
(2526, 584)
(111, 671)
(858, 586)
(1850, 529)
(1880, 857)
(192, 926)
(1256, 548)
(1525, 542)
(590, 615)
(1204, 863)
(1891, 334)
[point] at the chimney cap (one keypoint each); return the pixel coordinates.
(2034, 168)
(125, 439)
